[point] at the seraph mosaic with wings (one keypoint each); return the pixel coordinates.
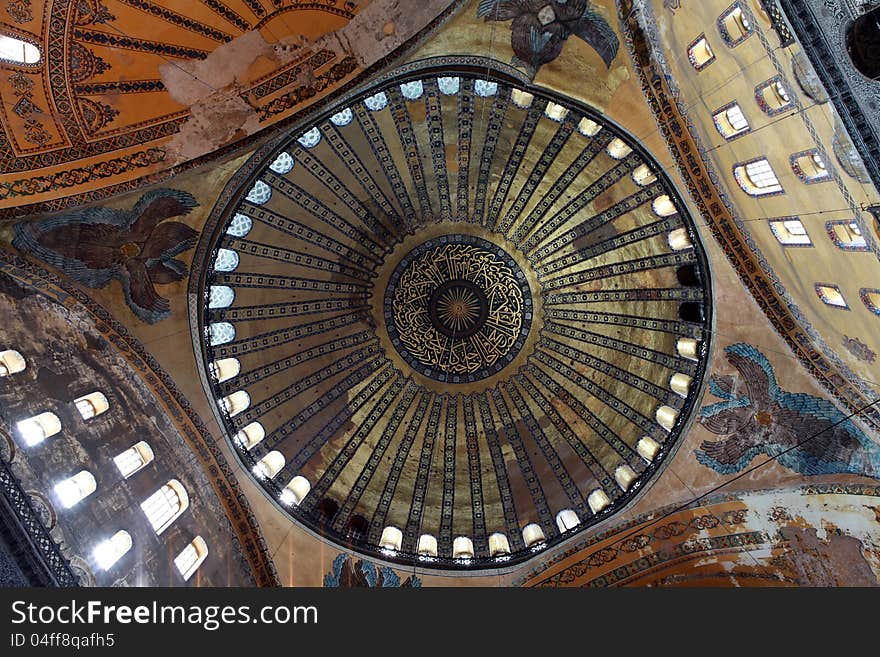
(541, 27)
(807, 434)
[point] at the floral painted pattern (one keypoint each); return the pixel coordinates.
(136, 247)
(807, 434)
(541, 27)
(347, 573)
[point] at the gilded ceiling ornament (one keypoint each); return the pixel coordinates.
(20, 10)
(458, 309)
(541, 27)
(807, 434)
(137, 247)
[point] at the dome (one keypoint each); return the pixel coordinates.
(457, 314)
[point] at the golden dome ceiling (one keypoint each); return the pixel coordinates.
(456, 319)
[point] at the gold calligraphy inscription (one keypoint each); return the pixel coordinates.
(458, 309)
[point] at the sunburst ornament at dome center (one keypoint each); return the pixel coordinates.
(458, 308)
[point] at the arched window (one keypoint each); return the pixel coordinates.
(108, 552)
(376, 102)
(342, 118)
(485, 88)
(831, 295)
(532, 535)
(521, 98)
(625, 476)
(462, 548)
(75, 488)
(498, 545)
(643, 176)
(847, 235)
(772, 96)
(251, 435)
(588, 127)
(240, 225)
(36, 429)
(449, 86)
(235, 403)
(310, 139)
(809, 167)
(18, 51)
(295, 492)
(663, 206)
(790, 231)
(225, 369)
(555, 112)
(679, 240)
(92, 405)
(734, 26)
(598, 500)
(618, 149)
(165, 505)
(567, 519)
(282, 164)
(11, 362)
(666, 417)
(191, 557)
(135, 458)
(700, 53)
(871, 299)
(687, 348)
(648, 448)
(227, 260)
(260, 193)
(730, 121)
(412, 90)
(392, 539)
(427, 546)
(756, 178)
(220, 333)
(680, 384)
(270, 465)
(220, 296)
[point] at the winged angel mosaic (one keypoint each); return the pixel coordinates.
(805, 433)
(541, 27)
(136, 247)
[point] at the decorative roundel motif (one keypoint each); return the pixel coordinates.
(455, 320)
(458, 308)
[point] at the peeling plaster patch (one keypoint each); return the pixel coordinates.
(367, 30)
(835, 562)
(820, 521)
(195, 80)
(210, 88)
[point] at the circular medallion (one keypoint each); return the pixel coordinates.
(458, 308)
